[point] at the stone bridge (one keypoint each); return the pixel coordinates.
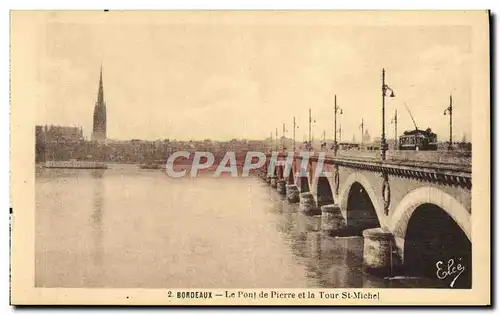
(412, 213)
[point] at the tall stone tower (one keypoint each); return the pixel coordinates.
(99, 129)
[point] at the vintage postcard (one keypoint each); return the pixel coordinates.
(250, 157)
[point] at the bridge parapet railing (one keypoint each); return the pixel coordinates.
(451, 158)
(435, 157)
(438, 157)
(452, 168)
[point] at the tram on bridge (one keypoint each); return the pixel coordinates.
(418, 140)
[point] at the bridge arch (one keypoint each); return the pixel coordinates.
(346, 189)
(279, 171)
(323, 190)
(360, 211)
(302, 183)
(428, 195)
(302, 178)
(430, 225)
(290, 177)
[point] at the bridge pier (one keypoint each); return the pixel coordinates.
(378, 251)
(324, 200)
(269, 177)
(274, 182)
(292, 193)
(263, 175)
(307, 204)
(280, 186)
(331, 218)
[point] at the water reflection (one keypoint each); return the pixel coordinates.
(330, 262)
(97, 216)
(95, 272)
(202, 232)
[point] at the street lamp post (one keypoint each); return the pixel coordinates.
(284, 138)
(311, 120)
(383, 142)
(277, 145)
(294, 127)
(323, 144)
(335, 111)
(449, 111)
(362, 126)
(310, 145)
(271, 143)
(395, 122)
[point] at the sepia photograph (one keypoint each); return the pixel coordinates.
(250, 157)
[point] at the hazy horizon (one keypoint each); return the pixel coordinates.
(181, 78)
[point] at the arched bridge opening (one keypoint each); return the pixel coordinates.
(435, 245)
(303, 184)
(290, 179)
(324, 192)
(279, 171)
(361, 213)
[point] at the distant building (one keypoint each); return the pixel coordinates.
(366, 137)
(374, 144)
(40, 144)
(59, 134)
(99, 127)
(348, 146)
(52, 141)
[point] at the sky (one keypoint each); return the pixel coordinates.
(177, 77)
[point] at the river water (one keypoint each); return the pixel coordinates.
(125, 227)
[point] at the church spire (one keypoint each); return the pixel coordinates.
(99, 128)
(100, 93)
